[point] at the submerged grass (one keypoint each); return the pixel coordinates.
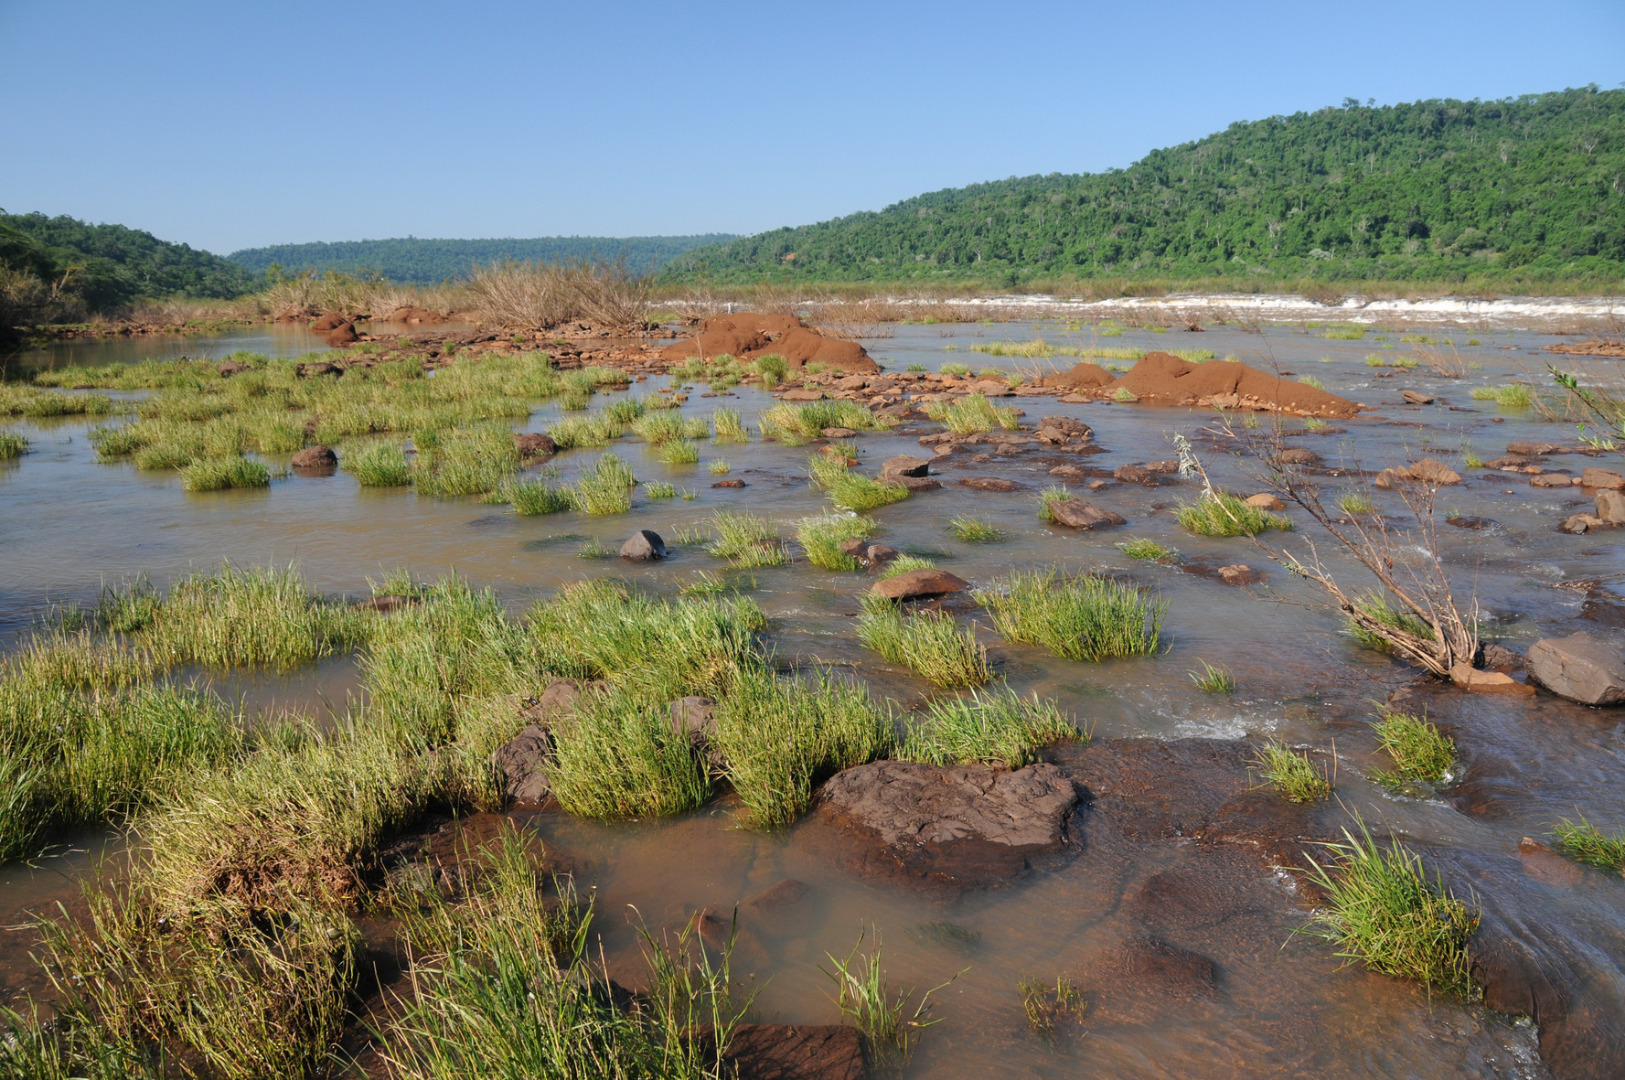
(972, 414)
(604, 489)
(1584, 842)
(1292, 774)
(849, 489)
(796, 425)
(379, 465)
(1420, 751)
(998, 728)
(972, 530)
(12, 445)
(746, 541)
(1224, 514)
(1383, 910)
(1384, 611)
(1077, 616)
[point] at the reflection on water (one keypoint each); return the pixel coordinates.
(69, 524)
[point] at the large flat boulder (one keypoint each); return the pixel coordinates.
(913, 584)
(965, 825)
(1582, 667)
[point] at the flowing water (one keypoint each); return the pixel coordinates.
(1282, 1005)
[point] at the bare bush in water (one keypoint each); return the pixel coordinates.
(1440, 637)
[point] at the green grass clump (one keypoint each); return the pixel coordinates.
(1000, 729)
(1584, 842)
(1044, 1006)
(1344, 333)
(972, 414)
(1079, 617)
(474, 461)
(1510, 396)
(1292, 774)
(1382, 910)
(602, 630)
(248, 1002)
(902, 564)
(659, 489)
(849, 489)
(533, 496)
(746, 540)
(1384, 611)
(1356, 504)
(379, 465)
(930, 643)
(821, 538)
(12, 445)
(1224, 514)
(219, 474)
(796, 425)
(782, 736)
(973, 530)
(678, 452)
(1141, 547)
(728, 427)
(1213, 680)
(586, 432)
(504, 985)
(604, 489)
(1420, 751)
(659, 428)
(617, 756)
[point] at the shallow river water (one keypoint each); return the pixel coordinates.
(1282, 1004)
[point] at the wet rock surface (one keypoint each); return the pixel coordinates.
(963, 826)
(914, 584)
(1584, 667)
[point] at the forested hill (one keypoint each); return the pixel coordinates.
(428, 261)
(1526, 188)
(104, 267)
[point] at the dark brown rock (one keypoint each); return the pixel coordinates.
(729, 484)
(879, 554)
(962, 825)
(1133, 474)
(915, 484)
(315, 457)
(1412, 397)
(1078, 514)
(521, 762)
(991, 483)
(535, 444)
(315, 369)
(902, 465)
(342, 335)
(331, 321)
(1240, 574)
(694, 717)
(1602, 478)
(1299, 456)
(1551, 480)
(918, 583)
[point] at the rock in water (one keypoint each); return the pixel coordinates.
(315, 457)
(1077, 514)
(917, 583)
(520, 763)
(1581, 667)
(644, 546)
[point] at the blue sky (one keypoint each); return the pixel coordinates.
(237, 124)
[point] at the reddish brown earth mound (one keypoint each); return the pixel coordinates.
(1589, 348)
(1084, 376)
(748, 335)
(1166, 379)
(331, 321)
(412, 314)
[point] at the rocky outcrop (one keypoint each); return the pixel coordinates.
(1582, 667)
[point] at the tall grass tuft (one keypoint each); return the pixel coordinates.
(746, 541)
(881, 1016)
(728, 427)
(972, 414)
(606, 488)
(782, 736)
(219, 474)
(1079, 617)
(469, 462)
(821, 538)
(379, 465)
(1223, 514)
(796, 425)
(998, 728)
(1382, 910)
(533, 496)
(12, 445)
(1510, 396)
(617, 755)
(973, 530)
(930, 643)
(849, 489)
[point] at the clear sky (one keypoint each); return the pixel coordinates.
(236, 123)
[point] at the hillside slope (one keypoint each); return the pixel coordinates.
(1442, 190)
(431, 261)
(100, 268)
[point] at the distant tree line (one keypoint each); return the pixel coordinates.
(433, 261)
(62, 267)
(1527, 187)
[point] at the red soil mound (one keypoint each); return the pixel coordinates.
(1084, 376)
(1589, 348)
(748, 335)
(414, 314)
(1168, 379)
(331, 321)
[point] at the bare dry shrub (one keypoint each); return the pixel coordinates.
(1451, 365)
(1432, 630)
(539, 296)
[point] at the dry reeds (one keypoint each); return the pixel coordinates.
(539, 296)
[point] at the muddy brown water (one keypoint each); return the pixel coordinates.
(1278, 1004)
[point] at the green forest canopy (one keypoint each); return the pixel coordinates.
(107, 266)
(434, 261)
(1525, 189)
